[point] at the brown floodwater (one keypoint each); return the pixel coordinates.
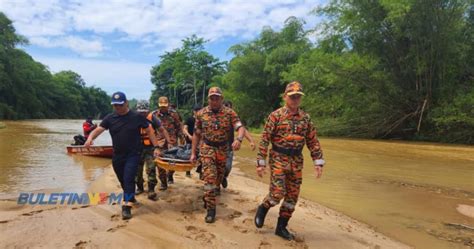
(33, 157)
(409, 191)
(406, 190)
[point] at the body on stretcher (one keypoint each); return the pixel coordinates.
(176, 159)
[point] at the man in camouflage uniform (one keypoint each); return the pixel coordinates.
(213, 125)
(147, 154)
(171, 121)
(287, 129)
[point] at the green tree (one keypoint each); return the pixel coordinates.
(185, 74)
(28, 90)
(255, 79)
(424, 49)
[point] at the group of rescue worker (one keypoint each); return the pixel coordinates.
(139, 136)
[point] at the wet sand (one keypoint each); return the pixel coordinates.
(409, 191)
(176, 220)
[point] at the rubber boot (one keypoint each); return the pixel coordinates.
(164, 183)
(151, 192)
(281, 229)
(260, 215)
(126, 212)
(224, 182)
(199, 171)
(211, 215)
(163, 186)
(170, 177)
(140, 188)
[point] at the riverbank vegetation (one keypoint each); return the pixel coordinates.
(379, 69)
(29, 90)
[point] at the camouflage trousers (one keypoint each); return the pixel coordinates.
(163, 173)
(285, 182)
(213, 161)
(146, 160)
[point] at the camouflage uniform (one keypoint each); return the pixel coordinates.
(147, 157)
(147, 160)
(216, 128)
(171, 122)
(287, 133)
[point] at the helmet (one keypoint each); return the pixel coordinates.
(143, 106)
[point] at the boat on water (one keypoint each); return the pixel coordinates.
(94, 150)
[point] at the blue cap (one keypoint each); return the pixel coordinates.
(118, 98)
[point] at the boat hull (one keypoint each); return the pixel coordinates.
(97, 151)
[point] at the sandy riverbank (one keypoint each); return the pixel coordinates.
(176, 220)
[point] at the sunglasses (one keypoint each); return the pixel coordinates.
(295, 97)
(117, 105)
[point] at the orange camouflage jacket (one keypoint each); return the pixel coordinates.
(291, 131)
(171, 121)
(217, 126)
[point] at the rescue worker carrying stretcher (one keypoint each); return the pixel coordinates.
(147, 154)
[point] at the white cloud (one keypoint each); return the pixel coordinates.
(130, 77)
(151, 22)
(87, 48)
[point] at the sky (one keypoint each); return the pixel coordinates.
(113, 44)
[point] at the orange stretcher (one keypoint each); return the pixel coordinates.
(174, 164)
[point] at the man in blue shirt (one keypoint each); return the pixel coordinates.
(124, 126)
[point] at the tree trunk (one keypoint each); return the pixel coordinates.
(203, 93)
(421, 115)
(195, 90)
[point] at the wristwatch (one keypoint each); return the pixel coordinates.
(319, 162)
(240, 139)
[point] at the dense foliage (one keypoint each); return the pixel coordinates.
(378, 69)
(185, 74)
(29, 90)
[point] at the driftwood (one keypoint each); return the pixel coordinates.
(459, 226)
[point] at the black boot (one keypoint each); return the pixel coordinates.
(140, 188)
(211, 216)
(126, 212)
(163, 186)
(199, 171)
(151, 192)
(170, 177)
(224, 182)
(260, 215)
(164, 182)
(281, 229)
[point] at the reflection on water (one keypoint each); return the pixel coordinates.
(33, 158)
(409, 191)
